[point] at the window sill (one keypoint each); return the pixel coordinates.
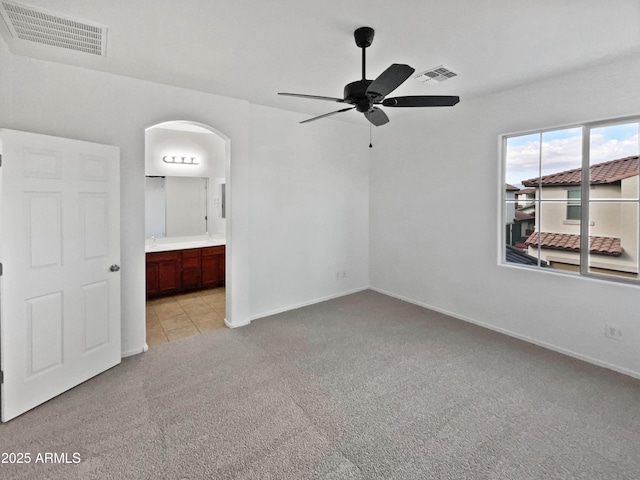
(576, 222)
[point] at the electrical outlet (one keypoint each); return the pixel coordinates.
(611, 331)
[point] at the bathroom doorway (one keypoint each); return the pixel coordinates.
(186, 170)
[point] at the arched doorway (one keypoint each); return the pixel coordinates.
(187, 169)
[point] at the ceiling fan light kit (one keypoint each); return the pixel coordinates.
(363, 95)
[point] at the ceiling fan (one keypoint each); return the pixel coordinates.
(365, 94)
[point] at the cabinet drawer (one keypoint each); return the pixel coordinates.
(163, 256)
(209, 251)
(191, 253)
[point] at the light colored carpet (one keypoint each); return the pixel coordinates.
(361, 387)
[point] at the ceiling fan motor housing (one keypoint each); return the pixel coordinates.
(355, 93)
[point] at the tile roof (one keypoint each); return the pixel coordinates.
(511, 188)
(522, 216)
(606, 172)
(515, 255)
(565, 241)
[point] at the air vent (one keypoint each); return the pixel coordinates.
(34, 25)
(435, 75)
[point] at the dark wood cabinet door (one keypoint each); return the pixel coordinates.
(210, 269)
(221, 269)
(213, 266)
(191, 268)
(163, 272)
(169, 276)
(152, 278)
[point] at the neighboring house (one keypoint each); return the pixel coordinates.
(519, 224)
(613, 226)
(525, 197)
(526, 200)
(523, 227)
(510, 213)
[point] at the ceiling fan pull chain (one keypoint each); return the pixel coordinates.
(370, 144)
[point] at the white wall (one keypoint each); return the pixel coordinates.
(298, 199)
(209, 150)
(309, 209)
(71, 102)
(306, 197)
(430, 245)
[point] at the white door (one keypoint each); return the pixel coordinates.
(59, 237)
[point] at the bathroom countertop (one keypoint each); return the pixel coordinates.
(166, 244)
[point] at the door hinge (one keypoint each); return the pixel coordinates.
(0, 160)
(0, 269)
(1, 376)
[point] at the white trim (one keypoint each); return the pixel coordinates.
(236, 325)
(509, 333)
(136, 351)
(305, 304)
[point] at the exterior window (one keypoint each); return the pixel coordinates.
(573, 205)
(553, 179)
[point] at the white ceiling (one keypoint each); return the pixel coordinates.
(251, 49)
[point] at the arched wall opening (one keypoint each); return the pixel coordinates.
(181, 157)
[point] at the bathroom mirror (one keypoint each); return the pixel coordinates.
(176, 206)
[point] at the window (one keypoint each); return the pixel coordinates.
(584, 207)
(573, 205)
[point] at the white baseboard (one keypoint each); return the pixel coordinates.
(305, 304)
(509, 333)
(136, 351)
(236, 325)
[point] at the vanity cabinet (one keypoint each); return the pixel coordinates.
(182, 270)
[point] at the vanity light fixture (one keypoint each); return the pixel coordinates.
(180, 160)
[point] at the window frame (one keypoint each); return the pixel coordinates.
(585, 201)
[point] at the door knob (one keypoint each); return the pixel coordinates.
(114, 267)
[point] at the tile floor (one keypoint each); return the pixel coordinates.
(185, 315)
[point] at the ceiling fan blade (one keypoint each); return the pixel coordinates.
(327, 115)
(422, 101)
(315, 97)
(377, 117)
(389, 80)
